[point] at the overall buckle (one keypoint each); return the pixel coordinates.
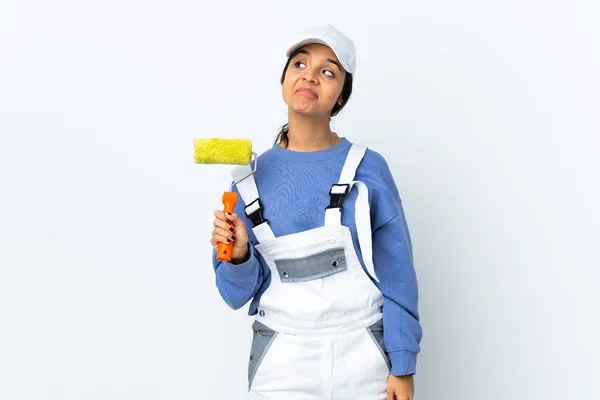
(337, 194)
(256, 216)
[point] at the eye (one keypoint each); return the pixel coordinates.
(328, 73)
(298, 64)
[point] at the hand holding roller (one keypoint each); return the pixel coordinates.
(225, 151)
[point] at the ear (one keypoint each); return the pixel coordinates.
(340, 101)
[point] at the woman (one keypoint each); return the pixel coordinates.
(327, 264)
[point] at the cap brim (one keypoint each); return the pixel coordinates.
(305, 42)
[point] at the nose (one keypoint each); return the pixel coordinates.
(310, 75)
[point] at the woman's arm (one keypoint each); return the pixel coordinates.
(239, 280)
(393, 262)
(237, 284)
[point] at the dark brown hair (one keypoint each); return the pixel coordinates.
(282, 136)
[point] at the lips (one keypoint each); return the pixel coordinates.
(307, 91)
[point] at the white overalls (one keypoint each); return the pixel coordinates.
(318, 334)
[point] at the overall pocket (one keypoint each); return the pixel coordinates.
(312, 266)
(376, 333)
(261, 341)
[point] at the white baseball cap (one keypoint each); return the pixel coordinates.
(328, 35)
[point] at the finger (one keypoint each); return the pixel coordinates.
(237, 221)
(221, 216)
(223, 225)
(216, 239)
(390, 395)
(233, 217)
(226, 233)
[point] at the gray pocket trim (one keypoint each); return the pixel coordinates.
(376, 333)
(312, 267)
(263, 339)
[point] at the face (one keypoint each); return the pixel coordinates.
(313, 81)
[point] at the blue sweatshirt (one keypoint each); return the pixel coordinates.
(294, 190)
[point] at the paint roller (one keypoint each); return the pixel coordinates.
(229, 152)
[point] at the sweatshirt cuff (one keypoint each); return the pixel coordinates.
(404, 362)
(243, 270)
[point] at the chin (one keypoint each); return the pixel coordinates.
(308, 111)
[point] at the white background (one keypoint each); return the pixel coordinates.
(487, 112)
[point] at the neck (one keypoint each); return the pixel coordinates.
(309, 133)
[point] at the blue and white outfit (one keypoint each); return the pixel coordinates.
(330, 276)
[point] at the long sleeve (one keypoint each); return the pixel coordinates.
(237, 284)
(393, 261)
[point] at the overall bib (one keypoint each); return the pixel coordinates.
(318, 334)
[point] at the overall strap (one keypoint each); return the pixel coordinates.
(253, 209)
(333, 213)
(338, 191)
(363, 227)
(353, 160)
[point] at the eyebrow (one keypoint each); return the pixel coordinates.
(327, 59)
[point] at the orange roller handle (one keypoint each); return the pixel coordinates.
(224, 249)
